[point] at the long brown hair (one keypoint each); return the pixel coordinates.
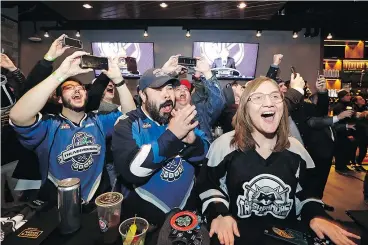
(243, 124)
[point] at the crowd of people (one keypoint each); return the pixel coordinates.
(158, 149)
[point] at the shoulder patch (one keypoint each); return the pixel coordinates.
(297, 148)
(121, 118)
(220, 148)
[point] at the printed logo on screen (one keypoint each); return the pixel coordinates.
(103, 224)
(172, 170)
(265, 194)
(32, 233)
(80, 152)
(120, 49)
(212, 51)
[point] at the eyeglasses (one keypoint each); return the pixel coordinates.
(259, 98)
(72, 87)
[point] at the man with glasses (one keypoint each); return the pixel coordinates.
(71, 144)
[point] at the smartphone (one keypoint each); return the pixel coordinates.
(71, 42)
(94, 62)
(187, 61)
(293, 70)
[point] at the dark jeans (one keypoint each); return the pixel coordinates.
(344, 151)
(362, 145)
(318, 176)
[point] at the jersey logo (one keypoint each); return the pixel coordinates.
(80, 152)
(172, 170)
(65, 126)
(265, 194)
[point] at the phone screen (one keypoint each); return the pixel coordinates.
(187, 61)
(71, 42)
(94, 62)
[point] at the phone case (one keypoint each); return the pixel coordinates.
(80, 42)
(288, 235)
(94, 62)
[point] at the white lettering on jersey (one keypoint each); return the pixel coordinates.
(80, 152)
(265, 194)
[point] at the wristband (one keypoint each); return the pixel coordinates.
(60, 79)
(120, 84)
(49, 58)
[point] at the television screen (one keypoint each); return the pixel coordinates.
(139, 56)
(229, 60)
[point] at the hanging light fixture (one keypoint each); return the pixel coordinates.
(77, 34)
(46, 34)
(295, 34)
(329, 36)
(188, 33)
(145, 34)
(259, 34)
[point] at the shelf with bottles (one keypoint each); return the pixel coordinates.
(355, 65)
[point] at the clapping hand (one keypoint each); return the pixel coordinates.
(6, 63)
(56, 49)
(172, 67)
(337, 235)
(70, 66)
(181, 123)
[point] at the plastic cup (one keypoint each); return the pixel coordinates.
(140, 235)
(108, 211)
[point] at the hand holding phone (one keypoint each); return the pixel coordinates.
(293, 71)
(187, 61)
(94, 62)
(71, 42)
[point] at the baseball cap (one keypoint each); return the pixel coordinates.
(186, 83)
(156, 78)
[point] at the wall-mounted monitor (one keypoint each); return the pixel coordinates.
(229, 60)
(140, 56)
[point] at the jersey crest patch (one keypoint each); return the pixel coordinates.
(80, 152)
(265, 194)
(172, 170)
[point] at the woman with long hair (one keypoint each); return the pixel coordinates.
(255, 175)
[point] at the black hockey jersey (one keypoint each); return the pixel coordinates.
(257, 192)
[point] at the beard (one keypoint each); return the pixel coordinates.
(154, 111)
(68, 104)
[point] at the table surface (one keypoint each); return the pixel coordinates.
(90, 234)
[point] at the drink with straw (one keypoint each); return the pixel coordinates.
(133, 231)
(108, 211)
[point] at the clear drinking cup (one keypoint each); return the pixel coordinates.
(140, 235)
(108, 211)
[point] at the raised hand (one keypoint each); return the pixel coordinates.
(337, 235)
(203, 67)
(297, 82)
(114, 72)
(345, 114)
(56, 49)
(6, 63)
(181, 122)
(70, 66)
(321, 84)
(171, 66)
(277, 59)
(225, 228)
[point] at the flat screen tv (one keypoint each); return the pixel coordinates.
(229, 60)
(140, 56)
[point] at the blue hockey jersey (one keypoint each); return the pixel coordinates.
(66, 150)
(155, 161)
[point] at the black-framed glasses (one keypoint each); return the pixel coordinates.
(259, 98)
(73, 87)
